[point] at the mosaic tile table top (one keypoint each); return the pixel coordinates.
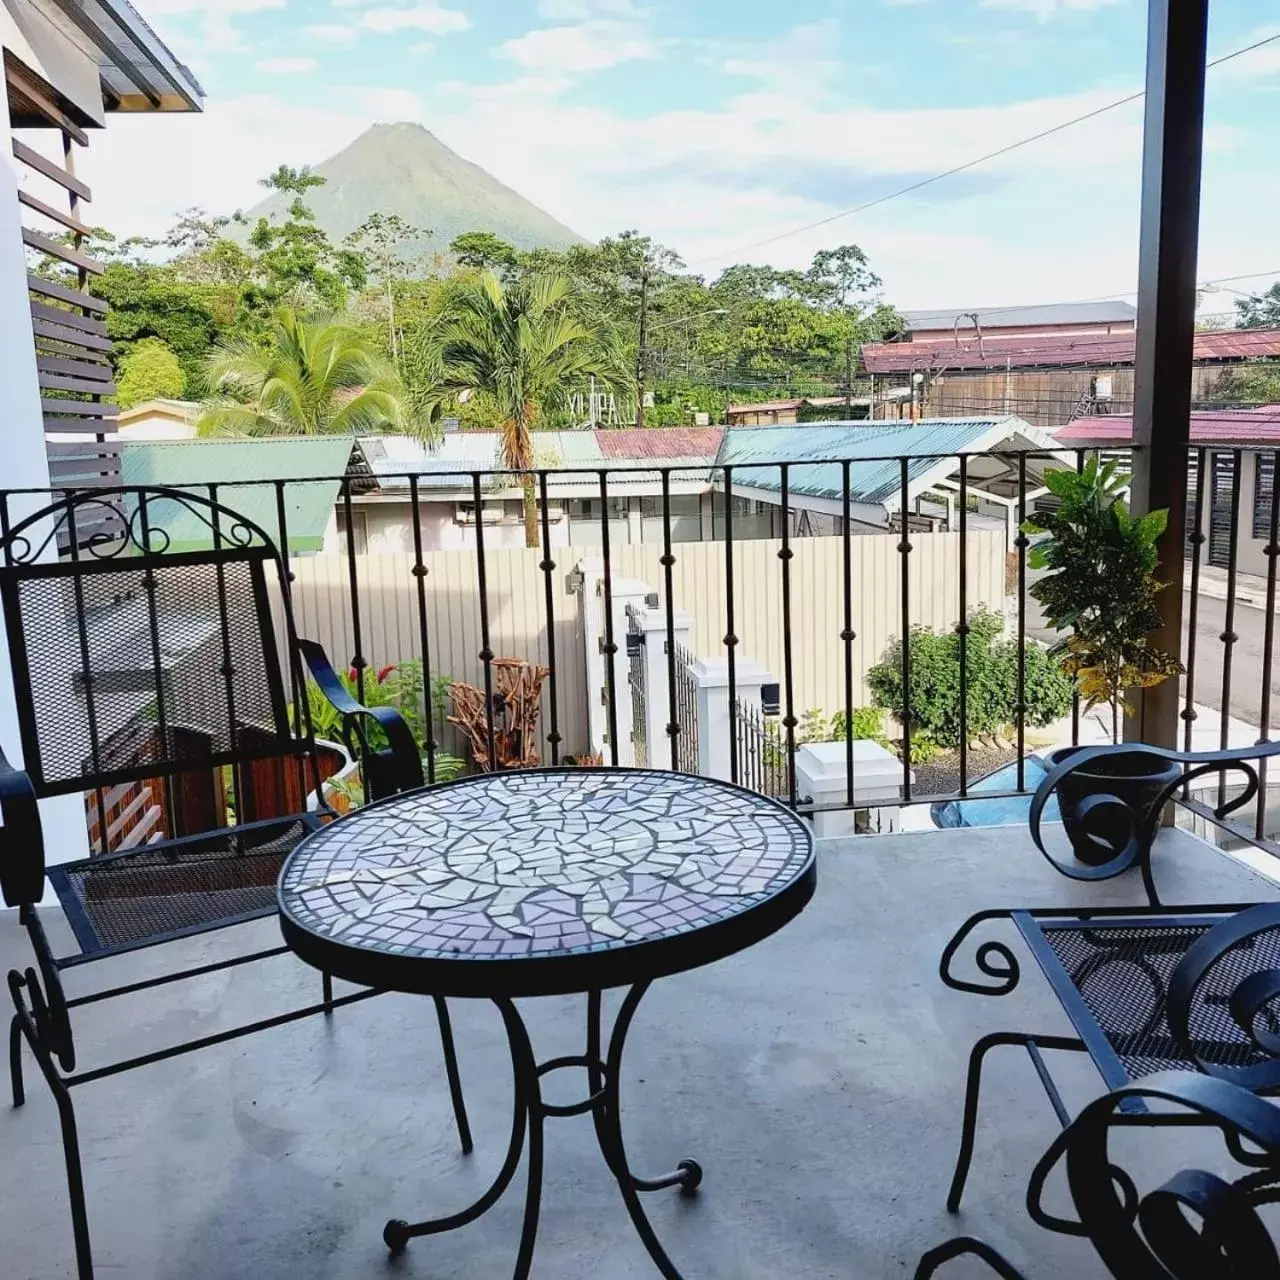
(539, 864)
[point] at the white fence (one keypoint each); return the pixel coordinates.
(387, 600)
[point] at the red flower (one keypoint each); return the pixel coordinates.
(384, 672)
(353, 675)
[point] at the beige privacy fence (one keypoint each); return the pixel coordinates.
(387, 598)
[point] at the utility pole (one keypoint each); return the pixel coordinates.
(848, 376)
(643, 338)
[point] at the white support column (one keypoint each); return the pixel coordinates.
(821, 777)
(625, 592)
(657, 698)
(25, 466)
(714, 723)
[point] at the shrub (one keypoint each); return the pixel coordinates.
(991, 680)
(150, 371)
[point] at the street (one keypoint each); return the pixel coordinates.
(1246, 659)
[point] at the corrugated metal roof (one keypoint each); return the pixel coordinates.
(1207, 426)
(1020, 317)
(1089, 350)
(874, 479)
(195, 464)
(668, 443)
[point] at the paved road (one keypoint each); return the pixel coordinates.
(1246, 659)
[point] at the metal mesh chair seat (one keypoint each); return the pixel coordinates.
(1121, 972)
(136, 898)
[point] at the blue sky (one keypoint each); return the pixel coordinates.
(715, 125)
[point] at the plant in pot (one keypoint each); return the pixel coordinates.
(1101, 590)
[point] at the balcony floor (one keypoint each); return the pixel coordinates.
(817, 1077)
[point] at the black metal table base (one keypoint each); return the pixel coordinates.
(530, 1110)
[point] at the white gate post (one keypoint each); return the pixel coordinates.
(625, 592)
(657, 685)
(714, 723)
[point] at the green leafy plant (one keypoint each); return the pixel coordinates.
(991, 681)
(1102, 586)
(399, 685)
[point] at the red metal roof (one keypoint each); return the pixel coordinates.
(1208, 426)
(1040, 352)
(660, 442)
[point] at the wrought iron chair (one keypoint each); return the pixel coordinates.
(389, 767)
(154, 681)
(1118, 971)
(1195, 1226)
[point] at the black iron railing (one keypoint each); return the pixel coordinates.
(968, 486)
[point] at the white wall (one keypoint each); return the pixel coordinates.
(25, 466)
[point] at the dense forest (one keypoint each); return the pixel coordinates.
(208, 313)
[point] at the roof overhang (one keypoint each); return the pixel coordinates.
(136, 69)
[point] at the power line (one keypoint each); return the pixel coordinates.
(971, 164)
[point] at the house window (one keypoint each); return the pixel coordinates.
(1264, 484)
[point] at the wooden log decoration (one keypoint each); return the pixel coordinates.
(515, 720)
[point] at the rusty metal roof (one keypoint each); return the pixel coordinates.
(1208, 426)
(1101, 350)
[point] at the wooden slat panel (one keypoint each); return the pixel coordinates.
(61, 382)
(39, 99)
(87, 367)
(51, 289)
(90, 470)
(79, 426)
(84, 408)
(59, 333)
(68, 220)
(87, 450)
(61, 251)
(56, 315)
(54, 172)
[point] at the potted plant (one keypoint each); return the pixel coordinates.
(1101, 590)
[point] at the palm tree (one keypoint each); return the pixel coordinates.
(310, 378)
(524, 343)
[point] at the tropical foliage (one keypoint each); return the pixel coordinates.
(991, 682)
(150, 371)
(1101, 587)
(520, 344)
(308, 378)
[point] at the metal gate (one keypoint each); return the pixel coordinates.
(686, 713)
(639, 694)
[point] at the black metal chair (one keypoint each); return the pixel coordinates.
(153, 681)
(1197, 1225)
(389, 766)
(1118, 972)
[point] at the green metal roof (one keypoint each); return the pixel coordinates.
(874, 451)
(196, 464)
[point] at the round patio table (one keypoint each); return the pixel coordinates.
(548, 882)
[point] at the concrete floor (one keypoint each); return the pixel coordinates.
(817, 1077)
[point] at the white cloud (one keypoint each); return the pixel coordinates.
(581, 10)
(387, 105)
(429, 17)
(594, 45)
(1258, 64)
(286, 66)
(804, 55)
(167, 7)
(332, 32)
(1044, 10)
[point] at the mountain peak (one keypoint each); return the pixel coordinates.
(402, 168)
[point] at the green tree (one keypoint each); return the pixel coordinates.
(308, 378)
(293, 261)
(383, 241)
(1256, 382)
(150, 371)
(524, 344)
(484, 251)
(1261, 312)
